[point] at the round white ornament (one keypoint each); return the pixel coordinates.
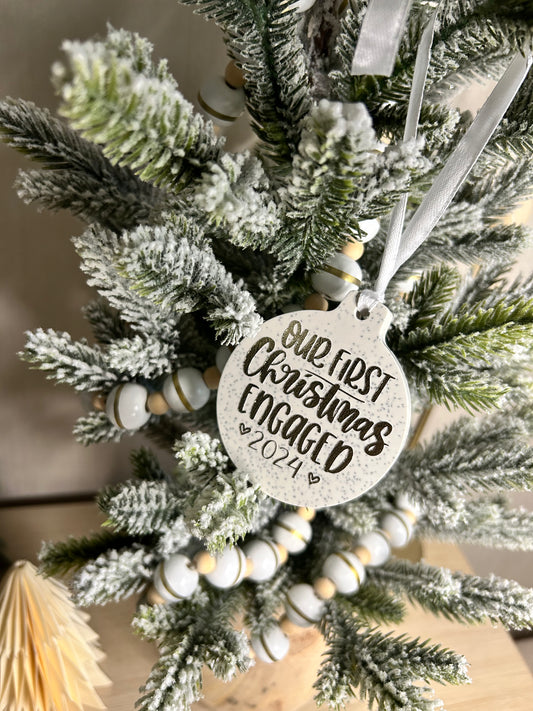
(315, 407)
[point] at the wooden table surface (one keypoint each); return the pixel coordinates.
(500, 677)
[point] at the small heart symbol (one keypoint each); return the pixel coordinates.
(313, 479)
(243, 429)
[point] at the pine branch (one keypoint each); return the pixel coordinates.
(80, 177)
(97, 427)
(469, 456)
(465, 598)
(156, 622)
(223, 511)
(372, 605)
(89, 198)
(70, 362)
(234, 194)
(203, 635)
(100, 251)
(116, 97)
(146, 466)
(175, 681)
(431, 295)
(140, 507)
(379, 668)
(483, 521)
(355, 517)
(263, 39)
(266, 599)
(143, 356)
(113, 576)
(72, 554)
(472, 39)
(105, 322)
(338, 178)
(454, 358)
(219, 505)
(181, 274)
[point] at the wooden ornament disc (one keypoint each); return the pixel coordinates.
(315, 408)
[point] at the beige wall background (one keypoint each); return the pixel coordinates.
(40, 284)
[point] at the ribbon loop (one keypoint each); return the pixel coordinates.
(463, 158)
(394, 236)
(380, 36)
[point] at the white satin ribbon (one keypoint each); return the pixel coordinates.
(380, 36)
(461, 161)
(449, 180)
(394, 236)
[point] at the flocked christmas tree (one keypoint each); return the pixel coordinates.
(191, 248)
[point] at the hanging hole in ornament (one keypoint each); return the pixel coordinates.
(365, 303)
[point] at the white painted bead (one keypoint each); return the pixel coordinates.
(222, 357)
(174, 579)
(230, 568)
(404, 502)
(271, 645)
(292, 531)
(185, 390)
(220, 102)
(302, 5)
(338, 277)
(346, 570)
(378, 546)
(399, 527)
(303, 606)
(126, 406)
(370, 229)
(265, 557)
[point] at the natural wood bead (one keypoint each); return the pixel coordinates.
(157, 404)
(212, 377)
(315, 302)
(287, 626)
(353, 249)
(249, 567)
(410, 515)
(234, 76)
(99, 401)
(363, 554)
(204, 562)
(324, 588)
(306, 513)
(283, 553)
(153, 597)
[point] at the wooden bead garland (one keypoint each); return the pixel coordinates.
(129, 405)
(265, 557)
(221, 98)
(337, 277)
(316, 302)
(341, 274)
(157, 404)
(292, 531)
(229, 570)
(342, 572)
(271, 645)
(303, 607)
(126, 406)
(185, 390)
(175, 578)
